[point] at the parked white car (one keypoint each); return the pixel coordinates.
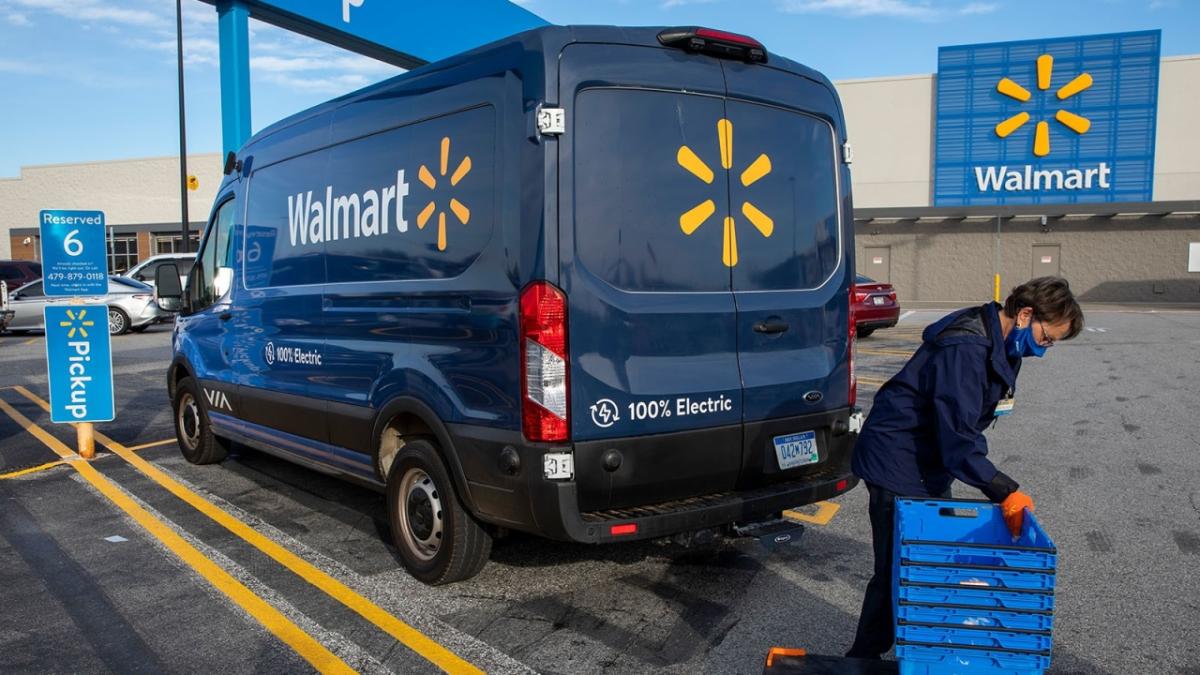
(145, 270)
(6, 314)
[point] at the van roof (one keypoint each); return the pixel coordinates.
(545, 40)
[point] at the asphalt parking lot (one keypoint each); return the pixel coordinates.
(150, 564)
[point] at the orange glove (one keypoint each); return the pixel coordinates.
(1013, 507)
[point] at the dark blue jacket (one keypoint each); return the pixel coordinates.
(926, 424)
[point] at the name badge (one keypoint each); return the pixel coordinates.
(1005, 407)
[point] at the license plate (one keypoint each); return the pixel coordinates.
(879, 300)
(796, 450)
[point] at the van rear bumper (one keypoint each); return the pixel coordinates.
(685, 515)
(523, 499)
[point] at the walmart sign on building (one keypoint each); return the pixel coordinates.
(1059, 120)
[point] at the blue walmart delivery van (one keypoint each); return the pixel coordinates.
(591, 283)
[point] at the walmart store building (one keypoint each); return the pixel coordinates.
(1076, 156)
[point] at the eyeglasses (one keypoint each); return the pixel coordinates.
(1046, 340)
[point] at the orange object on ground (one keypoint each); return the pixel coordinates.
(783, 651)
(1013, 508)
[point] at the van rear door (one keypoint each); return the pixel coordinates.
(652, 323)
(791, 279)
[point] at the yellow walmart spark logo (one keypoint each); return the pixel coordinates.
(691, 220)
(77, 324)
(1041, 137)
(458, 208)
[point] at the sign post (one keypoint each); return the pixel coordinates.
(78, 350)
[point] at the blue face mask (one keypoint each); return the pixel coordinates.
(1020, 343)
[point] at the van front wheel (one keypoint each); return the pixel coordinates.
(192, 430)
(439, 541)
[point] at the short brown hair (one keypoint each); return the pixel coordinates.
(1051, 300)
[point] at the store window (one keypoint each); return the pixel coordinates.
(122, 252)
(171, 243)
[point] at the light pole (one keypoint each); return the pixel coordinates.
(183, 189)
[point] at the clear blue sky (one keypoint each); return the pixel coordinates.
(86, 80)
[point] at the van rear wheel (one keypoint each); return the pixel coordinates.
(192, 430)
(439, 541)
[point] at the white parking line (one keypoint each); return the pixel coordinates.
(907, 314)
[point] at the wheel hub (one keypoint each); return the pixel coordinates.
(189, 421)
(421, 514)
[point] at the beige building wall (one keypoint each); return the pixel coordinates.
(129, 192)
(889, 122)
(1177, 143)
(1136, 259)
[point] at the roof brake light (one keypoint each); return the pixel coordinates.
(719, 43)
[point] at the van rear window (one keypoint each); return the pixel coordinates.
(681, 192)
(799, 197)
(629, 190)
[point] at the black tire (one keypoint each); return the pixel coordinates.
(118, 321)
(439, 541)
(192, 430)
(865, 332)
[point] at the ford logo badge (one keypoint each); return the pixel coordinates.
(782, 538)
(813, 396)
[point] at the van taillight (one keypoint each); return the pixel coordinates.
(544, 363)
(852, 333)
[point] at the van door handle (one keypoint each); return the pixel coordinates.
(771, 326)
(225, 316)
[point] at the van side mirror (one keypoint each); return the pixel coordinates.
(168, 292)
(222, 281)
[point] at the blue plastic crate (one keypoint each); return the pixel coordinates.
(977, 554)
(979, 578)
(961, 522)
(980, 618)
(975, 597)
(920, 660)
(974, 637)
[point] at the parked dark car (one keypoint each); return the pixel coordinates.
(17, 273)
(875, 306)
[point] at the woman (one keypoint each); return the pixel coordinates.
(926, 424)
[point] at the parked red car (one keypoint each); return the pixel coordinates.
(875, 306)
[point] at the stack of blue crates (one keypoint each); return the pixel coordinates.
(969, 598)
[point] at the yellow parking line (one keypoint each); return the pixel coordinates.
(825, 513)
(32, 469)
(155, 444)
(305, 645)
(409, 636)
(30, 341)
